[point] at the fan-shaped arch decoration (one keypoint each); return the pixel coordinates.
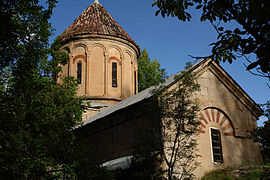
(214, 115)
(79, 56)
(116, 59)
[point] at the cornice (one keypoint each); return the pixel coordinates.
(102, 98)
(66, 40)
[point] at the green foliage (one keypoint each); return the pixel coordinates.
(219, 174)
(242, 172)
(263, 134)
(59, 57)
(38, 116)
(178, 129)
(36, 136)
(149, 72)
(168, 147)
(253, 36)
(23, 24)
(4, 79)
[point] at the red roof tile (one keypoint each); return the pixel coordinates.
(96, 20)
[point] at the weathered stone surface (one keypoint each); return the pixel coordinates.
(226, 108)
(96, 20)
(97, 41)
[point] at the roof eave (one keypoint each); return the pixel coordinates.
(67, 38)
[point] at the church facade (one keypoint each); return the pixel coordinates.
(103, 57)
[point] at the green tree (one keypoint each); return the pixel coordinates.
(169, 147)
(251, 39)
(149, 72)
(38, 116)
(178, 126)
(263, 134)
(252, 36)
(4, 79)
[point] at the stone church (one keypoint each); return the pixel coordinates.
(103, 57)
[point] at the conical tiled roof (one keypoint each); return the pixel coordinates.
(96, 20)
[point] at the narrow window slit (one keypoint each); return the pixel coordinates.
(216, 145)
(114, 74)
(79, 72)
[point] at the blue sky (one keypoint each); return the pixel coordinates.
(169, 40)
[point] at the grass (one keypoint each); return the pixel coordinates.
(240, 173)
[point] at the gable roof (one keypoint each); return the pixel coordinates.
(96, 20)
(147, 93)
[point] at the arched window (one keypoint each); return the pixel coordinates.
(216, 145)
(79, 72)
(114, 74)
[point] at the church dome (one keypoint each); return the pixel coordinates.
(96, 20)
(102, 57)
